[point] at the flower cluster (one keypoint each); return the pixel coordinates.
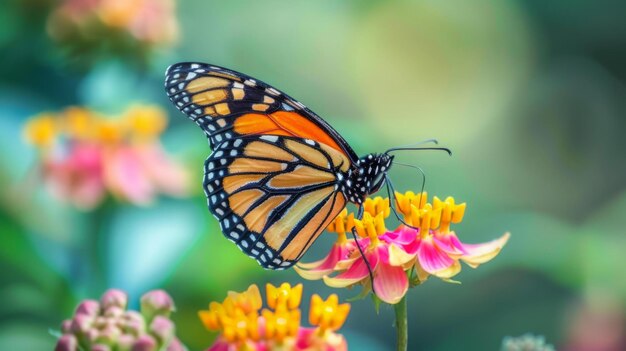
(422, 246)
(85, 155)
(90, 23)
(244, 326)
(106, 325)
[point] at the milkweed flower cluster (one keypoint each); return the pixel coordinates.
(244, 325)
(89, 22)
(84, 155)
(425, 246)
(106, 325)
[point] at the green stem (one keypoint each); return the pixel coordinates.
(401, 325)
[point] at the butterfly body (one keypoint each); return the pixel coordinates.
(278, 173)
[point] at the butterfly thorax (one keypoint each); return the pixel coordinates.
(365, 177)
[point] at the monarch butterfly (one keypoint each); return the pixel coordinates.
(278, 173)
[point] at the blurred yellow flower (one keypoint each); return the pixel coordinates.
(329, 314)
(285, 294)
(41, 130)
(86, 155)
(243, 327)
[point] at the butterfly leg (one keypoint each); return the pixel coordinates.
(359, 216)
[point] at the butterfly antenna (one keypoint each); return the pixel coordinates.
(391, 191)
(367, 263)
(427, 141)
(419, 148)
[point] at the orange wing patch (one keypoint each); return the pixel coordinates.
(284, 123)
(276, 235)
(300, 244)
(299, 177)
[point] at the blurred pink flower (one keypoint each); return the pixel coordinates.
(85, 156)
(77, 177)
(92, 21)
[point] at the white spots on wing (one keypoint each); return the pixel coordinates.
(237, 85)
(272, 91)
(270, 138)
(237, 143)
(191, 75)
(195, 65)
(309, 141)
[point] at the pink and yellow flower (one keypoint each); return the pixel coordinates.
(424, 246)
(89, 21)
(85, 156)
(244, 326)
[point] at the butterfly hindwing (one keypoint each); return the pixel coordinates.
(273, 195)
(229, 105)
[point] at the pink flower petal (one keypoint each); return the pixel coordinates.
(444, 243)
(166, 174)
(326, 263)
(481, 253)
(357, 272)
(400, 258)
(432, 259)
(126, 177)
(390, 283)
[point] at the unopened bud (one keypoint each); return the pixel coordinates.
(156, 302)
(66, 326)
(114, 311)
(125, 342)
(163, 329)
(67, 342)
(108, 335)
(81, 323)
(88, 307)
(145, 343)
(100, 347)
(114, 297)
(176, 345)
(133, 323)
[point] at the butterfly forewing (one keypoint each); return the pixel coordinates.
(228, 105)
(273, 195)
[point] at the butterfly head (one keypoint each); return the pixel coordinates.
(367, 177)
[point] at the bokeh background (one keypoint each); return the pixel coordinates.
(529, 95)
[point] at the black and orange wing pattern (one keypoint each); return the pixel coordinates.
(273, 195)
(272, 179)
(228, 105)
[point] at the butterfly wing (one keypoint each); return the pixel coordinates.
(273, 195)
(229, 105)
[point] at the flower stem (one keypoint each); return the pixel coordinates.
(401, 325)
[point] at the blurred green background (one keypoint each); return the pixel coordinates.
(529, 95)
